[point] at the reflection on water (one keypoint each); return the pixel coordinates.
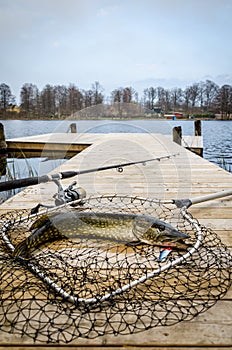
(217, 136)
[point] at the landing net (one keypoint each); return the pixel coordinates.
(92, 287)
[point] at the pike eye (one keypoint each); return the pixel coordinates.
(160, 227)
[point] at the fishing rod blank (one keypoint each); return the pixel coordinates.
(29, 181)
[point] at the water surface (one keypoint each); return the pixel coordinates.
(217, 136)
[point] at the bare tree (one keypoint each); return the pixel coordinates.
(176, 96)
(74, 100)
(29, 97)
(150, 98)
(167, 100)
(48, 102)
(201, 95)
(6, 97)
(224, 101)
(87, 98)
(186, 95)
(97, 93)
(160, 97)
(116, 95)
(193, 94)
(128, 94)
(210, 93)
(61, 99)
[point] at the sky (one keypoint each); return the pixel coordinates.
(119, 43)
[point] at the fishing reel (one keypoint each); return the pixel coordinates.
(63, 196)
(69, 194)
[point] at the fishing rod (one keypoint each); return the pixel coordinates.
(29, 181)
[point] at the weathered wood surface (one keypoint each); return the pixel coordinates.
(192, 141)
(184, 176)
(77, 142)
(56, 145)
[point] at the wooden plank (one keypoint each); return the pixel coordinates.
(109, 347)
(212, 328)
(114, 347)
(192, 141)
(186, 175)
(43, 147)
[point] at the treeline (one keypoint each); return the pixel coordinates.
(61, 101)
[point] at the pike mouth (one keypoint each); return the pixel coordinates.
(178, 244)
(173, 235)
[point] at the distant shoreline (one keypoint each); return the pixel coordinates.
(144, 117)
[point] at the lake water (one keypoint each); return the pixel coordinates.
(217, 136)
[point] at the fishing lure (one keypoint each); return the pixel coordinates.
(164, 254)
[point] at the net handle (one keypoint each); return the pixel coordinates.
(210, 197)
(180, 203)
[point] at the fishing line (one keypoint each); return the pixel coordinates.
(12, 184)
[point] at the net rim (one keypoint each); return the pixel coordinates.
(75, 300)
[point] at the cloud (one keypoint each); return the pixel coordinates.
(223, 79)
(106, 11)
(146, 67)
(56, 43)
(170, 83)
(116, 42)
(25, 16)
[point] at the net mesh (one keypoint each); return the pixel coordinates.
(91, 287)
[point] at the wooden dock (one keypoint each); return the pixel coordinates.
(50, 145)
(185, 175)
(69, 144)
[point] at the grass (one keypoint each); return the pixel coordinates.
(18, 168)
(15, 169)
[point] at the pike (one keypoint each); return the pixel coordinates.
(121, 228)
(29, 181)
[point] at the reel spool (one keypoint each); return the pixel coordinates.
(70, 194)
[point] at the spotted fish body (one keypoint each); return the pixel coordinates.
(121, 228)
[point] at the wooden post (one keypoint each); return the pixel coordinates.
(177, 134)
(3, 147)
(3, 144)
(73, 128)
(197, 127)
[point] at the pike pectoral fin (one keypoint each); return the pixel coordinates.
(135, 243)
